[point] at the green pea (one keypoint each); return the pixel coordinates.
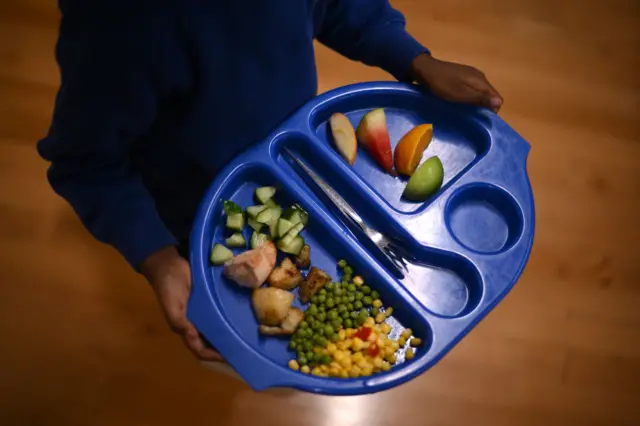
(375, 295)
(374, 312)
(304, 324)
(323, 342)
(357, 305)
(348, 270)
(350, 307)
(302, 360)
(367, 300)
(313, 309)
(322, 317)
(346, 279)
(348, 323)
(310, 356)
(339, 292)
(316, 325)
(314, 299)
(328, 330)
(307, 346)
(354, 314)
(309, 333)
(292, 345)
(351, 288)
(351, 298)
(332, 315)
(345, 315)
(337, 323)
(330, 303)
(326, 359)
(363, 313)
(322, 298)
(334, 337)
(342, 263)
(359, 295)
(342, 308)
(365, 289)
(321, 308)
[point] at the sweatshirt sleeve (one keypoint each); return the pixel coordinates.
(372, 32)
(106, 99)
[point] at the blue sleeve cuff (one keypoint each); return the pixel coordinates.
(397, 49)
(140, 237)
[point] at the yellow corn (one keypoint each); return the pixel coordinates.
(356, 357)
(402, 341)
(377, 362)
(385, 328)
(334, 364)
(367, 371)
(391, 359)
(406, 333)
(334, 372)
(342, 334)
(380, 318)
(357, 344)
(388, 350)
(388, 312)
(357, 280)
(372, 337)
(395, 346)
(408, 355)
(324, 368)
(377, 303)
(338, 355)
(386, 366)
(331, 348)
(354, 371)
(362, 363)
(415, 342)
(293, 364)
(370, 322)
(350, 332)
(381, 342)
(345, 362)
(305, 369)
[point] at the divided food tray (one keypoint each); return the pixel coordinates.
(472, 239)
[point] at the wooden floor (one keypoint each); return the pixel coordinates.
(83, 343)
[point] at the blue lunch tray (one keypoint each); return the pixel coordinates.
(475, 234)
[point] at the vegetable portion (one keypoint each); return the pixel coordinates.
(220, 254)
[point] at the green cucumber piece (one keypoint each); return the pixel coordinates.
(265, 194)
(283, 227)
(294, 247)
(291, 234)
(236, 241)
(231, 208)
(264, 216)
(254, 211)
(257, 239)
(276, 212)
(271, 203)
(254, 224)
(220, 254)
(235, 221)
(296, 214)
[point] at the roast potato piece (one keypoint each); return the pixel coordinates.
(289, 325)
(316, 279)
(303, 260)
(286, 276)
(271, 305)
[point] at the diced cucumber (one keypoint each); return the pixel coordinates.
(283, 227)
(231, 208)
(220, 254)
(271, 203)
(291, 234)
(235, 221)
(296, 214)
(254, 211)
(254, 224)
(265, 193)
(294, 247)
(236, 241)
(257, 239)
(264, 216)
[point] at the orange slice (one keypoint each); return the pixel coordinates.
(409, 150)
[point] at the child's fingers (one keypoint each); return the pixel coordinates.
(195, 343)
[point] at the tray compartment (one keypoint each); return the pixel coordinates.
(458, 140)
(234, 301)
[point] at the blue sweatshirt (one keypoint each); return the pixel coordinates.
(157, 96)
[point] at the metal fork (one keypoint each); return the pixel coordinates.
(390, 249)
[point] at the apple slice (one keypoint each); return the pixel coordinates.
(344, 137)
(373, 134)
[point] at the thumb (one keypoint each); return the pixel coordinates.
(485, 99)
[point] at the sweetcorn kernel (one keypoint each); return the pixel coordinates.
(293, 364)
(380, 318)
(377, 303)
(324, 368)
(342, 334)
(388, 312)
(381, 342)
(391, 359)
(305, 369)
(415, 342)
(408, 355)
(316, 372)
(362, 363)
(402, 341)
(338, 355)
(357, 344)
(388, 350)
(385, 328)
(406, 333)
(345, 362)
(357, 280)
(331, 348)
(377, 362)
(334, 364)
(334, 372)
(372, 337)
(386, 366)
(367, 371)
(370, 322)
(344, 374)
(354, 371)
(350, 332)
(395, 346)
(357, 357)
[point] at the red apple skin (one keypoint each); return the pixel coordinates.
(373, 134)
(344, 136)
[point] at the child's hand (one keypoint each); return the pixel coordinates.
(455, 82)
(170, 277)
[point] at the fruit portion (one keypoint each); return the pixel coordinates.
(344, 137)
(409, 150)
(373, 134)
(426, 180)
